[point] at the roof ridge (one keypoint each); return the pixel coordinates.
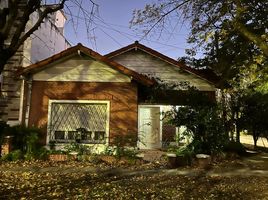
(161, 56)
(43, 63)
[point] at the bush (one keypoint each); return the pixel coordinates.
(235, 147)
(42, 153)
(25, 141)
(13, 156)
(4, 129)
(79, 148)
(203, 122)
(25, 138)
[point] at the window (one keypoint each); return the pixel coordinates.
(81, 121)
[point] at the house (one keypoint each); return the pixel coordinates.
(80, 94)
(46, 41)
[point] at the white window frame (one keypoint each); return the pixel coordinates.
(51, 101)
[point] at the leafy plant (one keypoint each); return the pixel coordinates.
(25, 138)
(184, 151)
(31, 142)
(203, 122)
(121, 146)
(13, 156)
(25, 141)
(4, 128)
(42, 153)
(79, 148)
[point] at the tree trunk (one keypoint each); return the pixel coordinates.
(255, 138)
(237, 134)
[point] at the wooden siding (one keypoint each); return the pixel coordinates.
(82, 69)
(10, 91)
(145, 63)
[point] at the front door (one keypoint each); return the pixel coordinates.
(149, 128)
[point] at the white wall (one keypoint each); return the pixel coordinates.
(47, 40)
(145, 63)
(78, 68)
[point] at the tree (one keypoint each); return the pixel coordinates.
(203, 122)
(254, 114)
(233, 36)
(231, 33)
(15, 16)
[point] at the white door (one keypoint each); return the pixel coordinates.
(149, 128)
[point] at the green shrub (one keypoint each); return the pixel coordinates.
(184, 151)
(52, 144)
(13, 156)
(4, 129)
(6, 157)
(25, 141)
(122, 146)
(25, 138)
(79, 148)
(203, 123)
(235, 147)
(42, 153)
(16, 155)
(109, 151)
(129, 153)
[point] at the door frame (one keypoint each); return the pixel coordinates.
(139, 145)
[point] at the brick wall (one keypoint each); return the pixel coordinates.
(122, 97)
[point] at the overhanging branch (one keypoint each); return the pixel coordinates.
(42, 16)
(164, 15)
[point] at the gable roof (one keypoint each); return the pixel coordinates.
(206, 74)
(79, 48)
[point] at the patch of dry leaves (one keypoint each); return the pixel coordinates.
(44, 180)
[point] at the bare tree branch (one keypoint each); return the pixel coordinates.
(17, 15)
(16, 43)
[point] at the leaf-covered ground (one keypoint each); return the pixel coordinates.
(29, 185)
(76, 180)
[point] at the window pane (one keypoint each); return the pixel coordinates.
(79, 121)
(59, 135)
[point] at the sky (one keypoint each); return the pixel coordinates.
(111, 29)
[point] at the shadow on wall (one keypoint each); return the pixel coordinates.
(122, 97)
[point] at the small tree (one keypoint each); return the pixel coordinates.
(203, 122)
(254, 115)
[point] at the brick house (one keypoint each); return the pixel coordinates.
(79, 92)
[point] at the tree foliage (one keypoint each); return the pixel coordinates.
(233, 36)
(231, 33)
(203, 122)
(254, 114)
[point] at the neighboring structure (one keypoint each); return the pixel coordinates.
(46, 41)
(80, 94)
